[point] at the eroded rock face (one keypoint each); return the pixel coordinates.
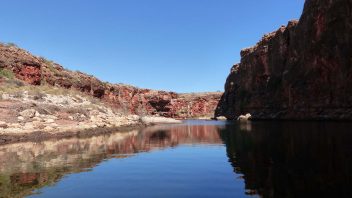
(152, 102)
(25, 66)
(301, 71)
(128, 99)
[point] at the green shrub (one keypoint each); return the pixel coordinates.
(6, 73)
(50, 65)
(11, 45)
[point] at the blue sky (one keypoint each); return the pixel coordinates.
(178, 45)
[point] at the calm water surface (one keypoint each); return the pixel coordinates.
(194, 159)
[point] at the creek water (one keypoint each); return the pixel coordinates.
(193, 159)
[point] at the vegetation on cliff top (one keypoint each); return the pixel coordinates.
(6, 73)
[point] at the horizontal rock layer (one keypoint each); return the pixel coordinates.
(301, 71)
(128, 99)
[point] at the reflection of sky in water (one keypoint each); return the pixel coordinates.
(175, 172)
(198, 158)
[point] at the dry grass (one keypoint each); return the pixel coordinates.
(77, 110)
(6, 73)
(17, 88)
(47, 109)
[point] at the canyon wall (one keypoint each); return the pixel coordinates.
(128, 99)
(301, 71)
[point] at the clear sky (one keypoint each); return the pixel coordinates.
(178, 45)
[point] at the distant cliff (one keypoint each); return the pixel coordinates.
(20, 64)
(301, 71)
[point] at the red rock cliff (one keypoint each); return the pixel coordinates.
(128, 99)
(301, 71)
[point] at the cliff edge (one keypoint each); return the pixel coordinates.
(302, 71)
(18, 64)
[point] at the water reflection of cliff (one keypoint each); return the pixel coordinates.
(28, 166)
(292, 159)
(280, 159)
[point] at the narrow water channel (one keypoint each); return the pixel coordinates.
(194, 159)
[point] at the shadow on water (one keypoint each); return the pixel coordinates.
(276, 159)
(292, 159)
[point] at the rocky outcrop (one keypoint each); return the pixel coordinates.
(128, 99)
(301, 71)
(23, 114)
(34, 114)
(25, 66)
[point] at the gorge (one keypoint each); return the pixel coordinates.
(281, 128)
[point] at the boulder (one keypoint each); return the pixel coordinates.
(244, 117)
(220, 118)
(159, 120)
(28, 113)
(3, 125)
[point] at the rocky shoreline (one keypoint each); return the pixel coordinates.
(38, 136)
(32, 113)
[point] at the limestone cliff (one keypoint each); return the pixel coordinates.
(301, 71)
